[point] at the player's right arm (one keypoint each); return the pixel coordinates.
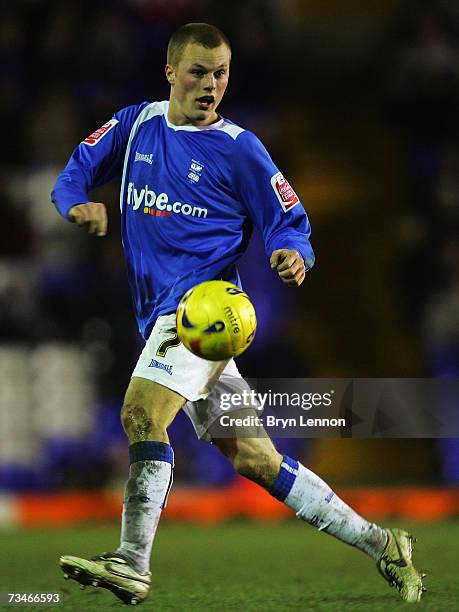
(92, 215)
(96, 161)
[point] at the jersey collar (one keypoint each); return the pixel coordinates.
(192, 128)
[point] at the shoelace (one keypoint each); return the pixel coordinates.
(394, 579)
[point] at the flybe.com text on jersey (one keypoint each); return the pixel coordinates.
(147, 198)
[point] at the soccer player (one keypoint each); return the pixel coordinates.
(193, 185)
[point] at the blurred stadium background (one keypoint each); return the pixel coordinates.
(357, 103)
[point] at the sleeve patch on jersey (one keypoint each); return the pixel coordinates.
(284, 192)
(94, 138)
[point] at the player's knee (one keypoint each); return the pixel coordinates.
(141, 424)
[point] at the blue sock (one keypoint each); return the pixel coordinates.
(283, 484)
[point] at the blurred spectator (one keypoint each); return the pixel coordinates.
(423, 79)
(441, 318)
(12, 83)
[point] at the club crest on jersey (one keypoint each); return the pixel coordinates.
(194, 171)
(284, 192)
(94, 138)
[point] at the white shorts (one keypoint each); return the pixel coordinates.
(166, 361)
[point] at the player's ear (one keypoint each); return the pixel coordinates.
(170, 74)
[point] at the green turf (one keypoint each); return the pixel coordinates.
(237, 566)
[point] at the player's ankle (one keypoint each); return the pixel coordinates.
(133, 561)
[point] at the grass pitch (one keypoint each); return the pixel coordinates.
(237, 566)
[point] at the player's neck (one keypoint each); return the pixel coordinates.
(176, 117)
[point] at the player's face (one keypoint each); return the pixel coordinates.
(198, 83)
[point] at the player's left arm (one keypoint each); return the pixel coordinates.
(289, 265)
(274, 208)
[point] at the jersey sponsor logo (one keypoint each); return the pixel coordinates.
(158, 205)
(145, 157)
(284, 192)
(94, 138)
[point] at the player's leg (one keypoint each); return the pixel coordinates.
(148, 410)
(256, 458)
(165, 374)
(315, 502)
(303, 491)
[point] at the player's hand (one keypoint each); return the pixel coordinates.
(290, 266)
(92, 215)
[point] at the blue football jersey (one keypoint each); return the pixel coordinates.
(189, 199)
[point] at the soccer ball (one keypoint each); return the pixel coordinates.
(216, 320)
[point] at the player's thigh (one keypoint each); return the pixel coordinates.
(150, 403)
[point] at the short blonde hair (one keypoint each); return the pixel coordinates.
(201, 33)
